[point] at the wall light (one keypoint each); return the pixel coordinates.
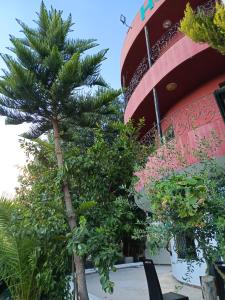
(170, 87)
(167, 24)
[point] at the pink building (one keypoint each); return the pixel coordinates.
(170, 81)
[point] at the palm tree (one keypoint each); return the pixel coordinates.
(18, 257)
(48, 83)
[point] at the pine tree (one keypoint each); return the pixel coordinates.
(206, 27)
(48, 82)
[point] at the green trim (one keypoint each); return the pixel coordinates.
(144, 8)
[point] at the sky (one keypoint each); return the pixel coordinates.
(99, 19)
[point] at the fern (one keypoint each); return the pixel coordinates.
(18, 258)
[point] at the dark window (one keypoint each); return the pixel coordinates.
(185, 246)
(222, 84)
(169, 134)
(220, 99)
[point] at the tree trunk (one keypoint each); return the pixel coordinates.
(78, 261)
(208, 287)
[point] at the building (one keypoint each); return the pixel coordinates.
(171, 82)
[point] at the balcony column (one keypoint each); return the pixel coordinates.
(155, 95)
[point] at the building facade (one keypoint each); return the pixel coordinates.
(170, 81)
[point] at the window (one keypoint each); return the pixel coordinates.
(222, 84)
(185, 246)
(220, 99)
(169, 134)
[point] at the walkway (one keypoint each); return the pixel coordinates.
(130, 284)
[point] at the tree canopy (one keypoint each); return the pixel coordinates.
(49, 74)
(99, 176)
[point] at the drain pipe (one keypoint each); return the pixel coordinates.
(155, 95)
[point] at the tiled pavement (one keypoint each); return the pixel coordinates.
(130, 284)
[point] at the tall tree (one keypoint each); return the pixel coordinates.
(48, 83)
(206, 27)
(99, 176)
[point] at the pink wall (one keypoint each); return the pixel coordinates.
(195, 117)
(180, 52)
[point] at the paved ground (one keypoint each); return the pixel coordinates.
(130, 284)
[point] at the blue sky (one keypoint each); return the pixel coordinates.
(98, 19)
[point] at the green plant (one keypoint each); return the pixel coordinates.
(179, 197)
(206, 27)
(100, 243)
(18, 256)
(191, 204)
(156, 234)
(42, 216)
(187, 202)
(99, 175)
(48, 83)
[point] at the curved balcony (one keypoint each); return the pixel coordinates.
(137, 27)
(174, 59)
(165, 42)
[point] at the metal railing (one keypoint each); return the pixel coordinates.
(167, 40)
(184, 119)
(150, 137)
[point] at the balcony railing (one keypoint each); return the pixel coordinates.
(167, 40)
(199, 112)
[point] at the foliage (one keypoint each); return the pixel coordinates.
(18, 256)
(100, 243)
(206, 27)
(187, 201)
(43, 217)
(193, 205)
(99, 236)
(52, 83)
(46, 221)
(179, 197)
(50, 76)
(157, 235)
(99, 176)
